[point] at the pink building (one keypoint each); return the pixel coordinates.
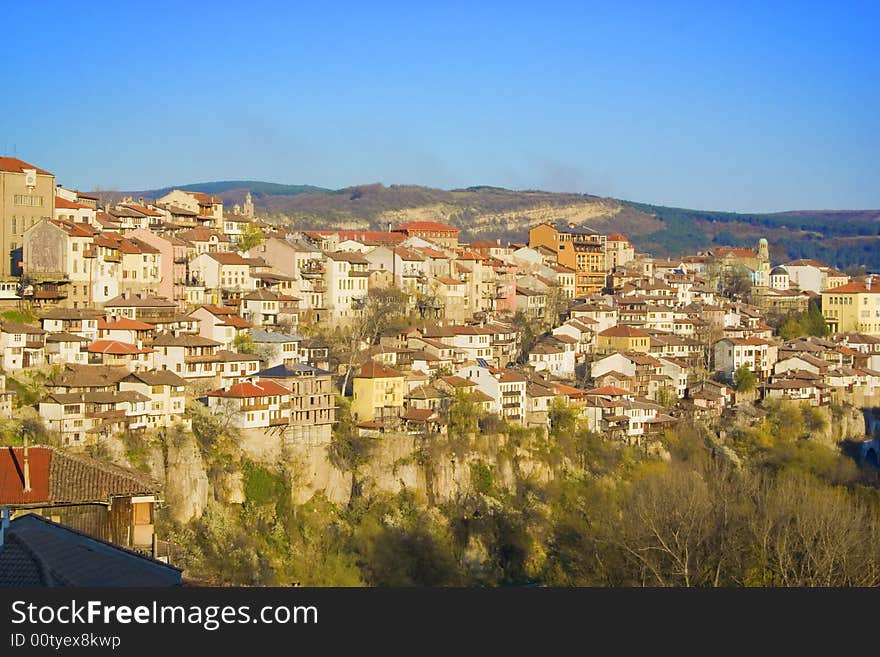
(172, 264)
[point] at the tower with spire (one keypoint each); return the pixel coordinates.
(762, 273)
(248, 210)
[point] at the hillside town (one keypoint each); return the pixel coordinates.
(122, 317)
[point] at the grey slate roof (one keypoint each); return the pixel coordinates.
(40, 553)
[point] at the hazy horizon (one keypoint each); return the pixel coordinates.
(748, 109)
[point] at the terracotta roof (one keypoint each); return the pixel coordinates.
(75, 229)
(143, 209)
(202, 235)
(62, 477)
(14, 165)
(419, 414)
(125, 324)
(230, 258)
(457, 381)
(63, 204)
(247, 390)
(353, 257)
(117, 348)
(856, 287)
(616, 237)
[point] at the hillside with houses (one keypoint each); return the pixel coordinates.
(226, 369)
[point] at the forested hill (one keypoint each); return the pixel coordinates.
(843, 238)
(840, 238)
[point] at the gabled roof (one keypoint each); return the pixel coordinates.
(856, 287)
(88, 376)
(296, 370)
(14, 165)
(60, 477)
(63, 336)
(261, 294)
(123, 323)
(275, 337)
(156, 378)
(117, 348)
(183, 340)
(230, 258)
(62, 203)
(16, 327)
(622, 331)
(248, 389)
(352, 257)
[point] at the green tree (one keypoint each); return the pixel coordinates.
(251, 236)
(744, 379)
(244, 343)
(563, 419)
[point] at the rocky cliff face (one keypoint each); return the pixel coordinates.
(397, 462)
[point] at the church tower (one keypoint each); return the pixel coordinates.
(762, 274)
(248, 210)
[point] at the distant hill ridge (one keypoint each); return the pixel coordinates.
(841, 238)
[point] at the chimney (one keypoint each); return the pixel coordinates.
(26, 465)
(868, 282)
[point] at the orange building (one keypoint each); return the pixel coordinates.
(578, 248)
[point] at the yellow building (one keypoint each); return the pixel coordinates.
(377, 393)
(27, 195)
(853, 308)
(623, 338)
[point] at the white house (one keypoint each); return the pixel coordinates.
(252, 404)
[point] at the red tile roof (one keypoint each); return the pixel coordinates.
(143, 209)
(247, 389)
(125, 324)
(228, 258)
(856, 287)
(14, 165)
(616, 237)
(62, 477)
(12, 475)
(117, 348)
(64, 204)
(622, 331)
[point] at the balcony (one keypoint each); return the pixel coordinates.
(312, 271)
(247, 408)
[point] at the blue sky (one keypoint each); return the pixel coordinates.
(758, 106)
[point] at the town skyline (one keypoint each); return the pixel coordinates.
(773, 114)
